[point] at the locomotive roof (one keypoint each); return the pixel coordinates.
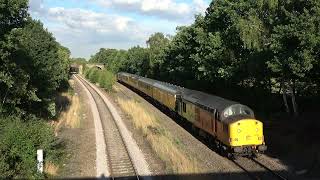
(167, 88)
(207, 100)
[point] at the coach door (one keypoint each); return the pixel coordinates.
(178, 105)
(215, 124)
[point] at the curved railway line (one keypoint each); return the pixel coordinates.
(120, 164)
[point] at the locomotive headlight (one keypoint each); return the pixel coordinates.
(239, 130)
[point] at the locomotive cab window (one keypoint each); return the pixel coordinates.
(237, 109)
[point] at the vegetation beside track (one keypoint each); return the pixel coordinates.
(104, 78)
(19, 140)
(164, 144)
(33, 70)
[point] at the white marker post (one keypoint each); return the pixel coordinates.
(40, 160)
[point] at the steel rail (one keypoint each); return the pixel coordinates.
(250, 174)
(118, 130)
(268, 169)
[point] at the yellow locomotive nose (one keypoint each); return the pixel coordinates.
(246, 132)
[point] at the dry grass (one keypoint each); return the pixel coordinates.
(70, 110)
(162, 142)
(72, 117)
(51, 169)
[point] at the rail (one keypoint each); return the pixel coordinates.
(120, 163)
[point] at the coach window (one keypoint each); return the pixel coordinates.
(184, 107)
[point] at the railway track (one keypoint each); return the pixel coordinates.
(120, 164)
(256, 170)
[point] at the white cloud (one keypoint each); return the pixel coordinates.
(77, 27)
(89, 20)
(84, 32)
(168, 9)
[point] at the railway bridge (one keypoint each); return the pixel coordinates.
(78, 68)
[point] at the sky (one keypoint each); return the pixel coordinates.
(85, 26)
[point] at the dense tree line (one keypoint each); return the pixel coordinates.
(264, 53)
(33, 65)
(33, 68)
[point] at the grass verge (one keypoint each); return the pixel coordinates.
(162, 142)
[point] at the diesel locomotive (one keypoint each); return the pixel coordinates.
(231, 126)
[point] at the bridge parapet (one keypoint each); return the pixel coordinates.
(100, 66)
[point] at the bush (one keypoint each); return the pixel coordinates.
(95, 75)
(19, 142)
(88, 72)
(107, 79)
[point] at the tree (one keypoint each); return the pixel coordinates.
(156, 44)
(178, 65)
(111, 58)
(36, 64)
(12, 15)
(138, 61)
(295, 43)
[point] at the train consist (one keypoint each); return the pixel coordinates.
(231, 126)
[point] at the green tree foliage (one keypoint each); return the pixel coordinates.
(156, 44)
(138, 61)
(79, 61)
(19, 142)
(246, 50)
(36, 64)
(12, 15)
(32, 68)
(111, 58)
(107, 80)
(104, 78)
(135, 60)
